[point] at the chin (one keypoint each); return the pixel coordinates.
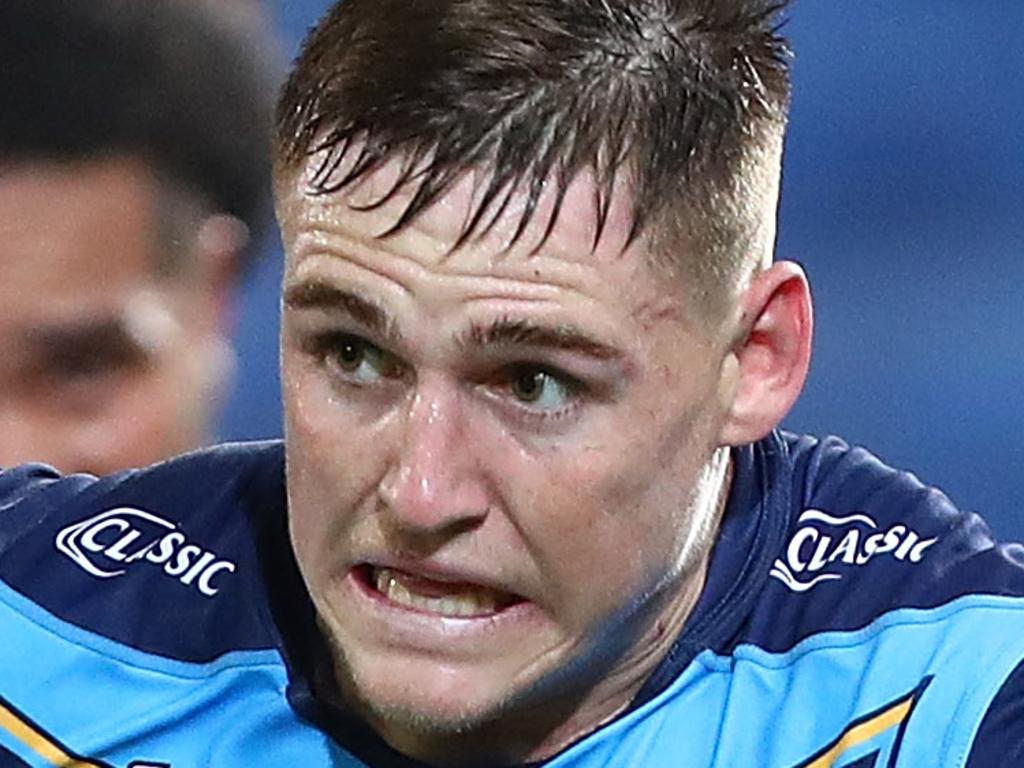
(418, 697)
(408, 669)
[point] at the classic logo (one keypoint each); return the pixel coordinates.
(823, 544)
(108, 544)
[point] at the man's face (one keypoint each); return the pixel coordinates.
(493, 457)
(104, 363)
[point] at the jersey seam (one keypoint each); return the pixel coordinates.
(751, 652)
(123, 654)
(981, 696)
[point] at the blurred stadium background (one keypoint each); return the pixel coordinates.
(904, 199)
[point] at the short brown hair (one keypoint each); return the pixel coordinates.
(682, 97)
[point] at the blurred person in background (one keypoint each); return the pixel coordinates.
(134, 182)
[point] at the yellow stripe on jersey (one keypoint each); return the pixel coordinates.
(865, 731)
(33, 738)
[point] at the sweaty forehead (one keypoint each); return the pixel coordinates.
(571, 237)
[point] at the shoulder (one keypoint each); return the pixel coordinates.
(1000, 739)
(878, 624)
(139, 556)
(892, 596)
(865, 539)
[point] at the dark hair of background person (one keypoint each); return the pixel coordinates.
(185, 85)
(684, 100)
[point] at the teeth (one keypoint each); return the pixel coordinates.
(462, 602)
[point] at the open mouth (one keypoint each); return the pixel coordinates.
(440, 598)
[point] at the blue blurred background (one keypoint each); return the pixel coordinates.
(904, 200)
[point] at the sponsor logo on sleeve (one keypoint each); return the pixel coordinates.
(824, 546)
(107, 545)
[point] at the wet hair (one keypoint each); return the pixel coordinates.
(187, 86)
(683, 100)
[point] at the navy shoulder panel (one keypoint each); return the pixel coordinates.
(163, 559)
(865, 539)
(1000, 739)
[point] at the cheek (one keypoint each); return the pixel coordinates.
(149, 415)
(334, 466)
(604, 524)
(314, 502)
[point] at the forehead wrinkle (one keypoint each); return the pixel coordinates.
(480, 288)
(320, 262)
(416, 259)
(503, 279)
(360, 201)
(325, 241)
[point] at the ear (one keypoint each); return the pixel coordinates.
(766, 369)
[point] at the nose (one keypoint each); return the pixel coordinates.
(435, 484)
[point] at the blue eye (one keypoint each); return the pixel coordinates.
(541, 390)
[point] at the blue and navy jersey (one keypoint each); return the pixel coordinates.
(852, 617)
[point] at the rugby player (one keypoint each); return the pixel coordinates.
(532, 506)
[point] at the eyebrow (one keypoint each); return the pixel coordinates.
(102, 338)
(503, 332)
(317, 294)
(508, 332)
